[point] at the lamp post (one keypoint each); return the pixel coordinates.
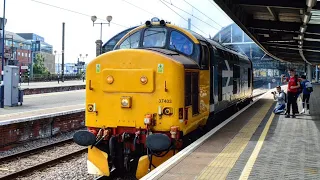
(3, 22)
(82, 60)
(93, 19)
(20, 77)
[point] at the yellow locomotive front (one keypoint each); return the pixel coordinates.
(126, 86)
(135, 102)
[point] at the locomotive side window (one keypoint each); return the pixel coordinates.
(219, 82)
(181, 43)
(236, 77)
(131, 42)
(205, 57)
(154, 37)
(249, 77)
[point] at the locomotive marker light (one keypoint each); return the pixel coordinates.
(125, 102)
(155, 19)
(167, 111)
(144, 80)
(90, 108)
(110, 79)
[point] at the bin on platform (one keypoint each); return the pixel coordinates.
(21, 93)
(1, 89)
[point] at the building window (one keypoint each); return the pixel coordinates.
(18, 53)
(29, 55)
(22, 54)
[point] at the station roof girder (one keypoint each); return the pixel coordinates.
(287, 30)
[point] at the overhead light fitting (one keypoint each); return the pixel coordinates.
(311, 3)
(303, 29)
(306, 18)
(300, 46)
(300, 36)
(300, 42)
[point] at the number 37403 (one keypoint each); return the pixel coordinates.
(165, 101)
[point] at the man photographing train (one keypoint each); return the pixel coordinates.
(293, 85)
(280, 96)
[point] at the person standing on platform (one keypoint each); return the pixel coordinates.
(293, 85)
(306, 92)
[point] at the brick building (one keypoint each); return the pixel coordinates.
(17, 50)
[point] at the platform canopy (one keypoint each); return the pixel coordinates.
(287, 30)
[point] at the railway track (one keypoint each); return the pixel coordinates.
(34, 150)
(41, 165)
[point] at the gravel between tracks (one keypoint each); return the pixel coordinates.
(36, 143)
(75, 168)
(34, 159)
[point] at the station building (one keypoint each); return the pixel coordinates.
(21, 49)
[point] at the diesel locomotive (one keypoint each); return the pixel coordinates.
(159, 84)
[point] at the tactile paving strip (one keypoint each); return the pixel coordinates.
(223, 163)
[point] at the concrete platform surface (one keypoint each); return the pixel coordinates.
(34, 85)
(45, 103)
(258, 144)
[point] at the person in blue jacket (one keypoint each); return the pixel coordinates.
(281, 98)
(306, 92)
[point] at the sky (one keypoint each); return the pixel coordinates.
(32, 16)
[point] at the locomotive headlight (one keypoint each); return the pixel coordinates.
(143, 80)
(110, 79)
(125, 102)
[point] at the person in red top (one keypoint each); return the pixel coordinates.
(293, 86)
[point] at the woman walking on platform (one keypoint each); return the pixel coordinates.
(306, 92)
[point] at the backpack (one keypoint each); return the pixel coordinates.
(299, 90)
(308, 86)
(285, 97)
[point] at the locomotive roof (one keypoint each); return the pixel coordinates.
(195, 37)
(216, 44)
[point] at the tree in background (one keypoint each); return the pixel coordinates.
(38, 65)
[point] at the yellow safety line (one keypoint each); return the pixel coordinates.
(220, 167)
(247, 169)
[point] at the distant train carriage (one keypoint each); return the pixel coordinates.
(160, 84)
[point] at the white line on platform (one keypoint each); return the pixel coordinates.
(52, 94)
(40, 116)
(170, 163)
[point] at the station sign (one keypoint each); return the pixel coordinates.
(24, 67)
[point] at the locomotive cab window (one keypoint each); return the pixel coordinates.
(131, 42)
(154, 37)
(181, 43)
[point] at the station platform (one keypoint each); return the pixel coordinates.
(256, 144)
(50, 87)
(39, 104)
